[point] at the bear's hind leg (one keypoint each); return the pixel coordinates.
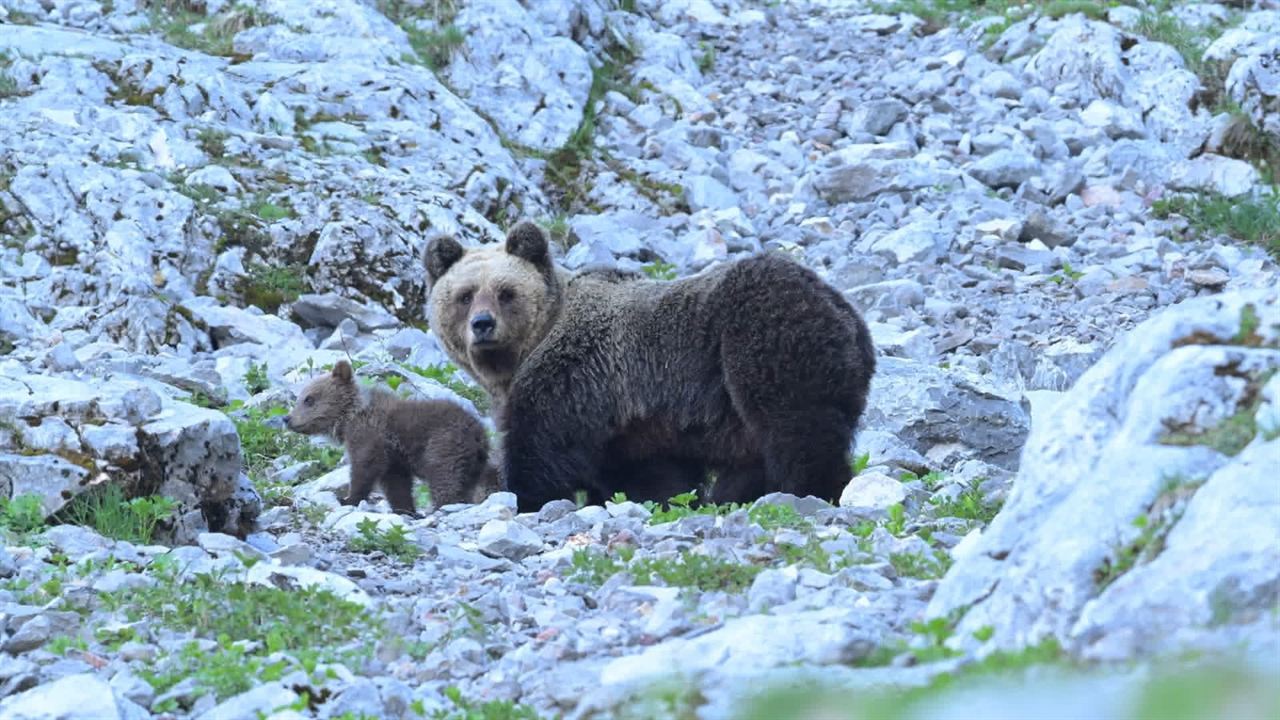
(738, 485)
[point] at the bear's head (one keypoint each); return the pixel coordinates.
(491, 306)
(325, 403)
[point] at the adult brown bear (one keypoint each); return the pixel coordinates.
(756, 370)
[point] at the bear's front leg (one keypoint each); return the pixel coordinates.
(369, 467)
(544, 461)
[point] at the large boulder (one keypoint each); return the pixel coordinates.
(1086, 60)
(1253, 51)
(59, 436)
(939, 413)
(1146, 514)
(83, 696)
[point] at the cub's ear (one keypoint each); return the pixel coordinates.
(342, 372)
(527, 241)
(442, 252)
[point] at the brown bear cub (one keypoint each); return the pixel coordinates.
(757, 370)
(390, 440)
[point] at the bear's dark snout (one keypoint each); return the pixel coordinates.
(483, 325)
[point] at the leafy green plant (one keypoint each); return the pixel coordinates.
(251, 623)
(1152, 527)
(60, 644)
(968, 505)
(687, 569)
(660, 270)
(109, 513)
(897, 522)
(707, 60)
(22, 515)
(394, 541)
(255, 378)
(919, 565)
(860, 463)
(679, 506)
(1248, 332)
(812, 554)
(270, 211)
(771, 516)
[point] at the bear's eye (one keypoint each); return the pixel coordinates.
(464, 298)
(309, 400)
(506, 295)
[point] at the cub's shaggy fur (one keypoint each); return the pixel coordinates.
(757, 370)
(390, 440)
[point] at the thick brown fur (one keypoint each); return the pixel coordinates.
(390, 440)
(757, 370)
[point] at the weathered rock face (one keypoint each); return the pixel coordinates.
(74, 697)
(532, 82)
(59, 436)
(1144, 516)
(940, 415)
(1253, 81)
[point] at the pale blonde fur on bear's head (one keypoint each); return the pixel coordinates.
(326, 403)
(491, 306)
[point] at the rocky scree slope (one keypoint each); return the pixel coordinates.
(202, 204)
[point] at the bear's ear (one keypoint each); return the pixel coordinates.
(442, 252)
(527, 241)
(342, 372)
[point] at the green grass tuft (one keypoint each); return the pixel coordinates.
(8, 85)
(185, 25)
(1255, 221)
(111, 515)
(269, 286)
(434, 48)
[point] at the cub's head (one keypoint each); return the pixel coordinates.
(491, 306)
(325, 403)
